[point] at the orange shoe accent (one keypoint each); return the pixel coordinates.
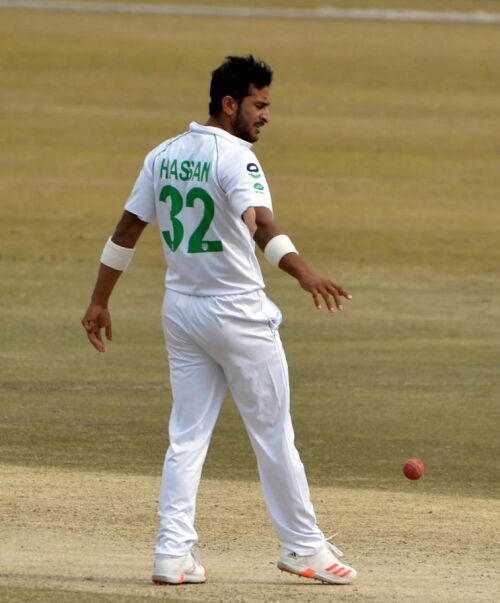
(341, 571)
(332, 567)
(307, 573)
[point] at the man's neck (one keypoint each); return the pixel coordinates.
(223, 124)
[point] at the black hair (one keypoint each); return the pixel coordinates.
(234, 78)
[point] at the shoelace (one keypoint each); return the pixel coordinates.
(335, 549)
(332, 547)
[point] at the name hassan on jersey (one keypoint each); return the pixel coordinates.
(175, 169)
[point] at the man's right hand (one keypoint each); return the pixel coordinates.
(96, 318)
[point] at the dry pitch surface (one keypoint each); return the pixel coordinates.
(94, 533)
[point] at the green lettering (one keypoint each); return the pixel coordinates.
(171, 193)
(173, 169)
(164, 169)
(174, 235)
(197, 171)
(185, 171)
(197, 244)
(205, 171)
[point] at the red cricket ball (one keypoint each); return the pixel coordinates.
(414, 468)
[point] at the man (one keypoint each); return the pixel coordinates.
(208, 193)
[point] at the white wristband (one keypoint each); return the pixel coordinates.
(115, 256)
(277, 247)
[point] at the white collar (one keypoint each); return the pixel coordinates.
(199, 129)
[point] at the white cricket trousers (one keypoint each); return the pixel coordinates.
(214, 343)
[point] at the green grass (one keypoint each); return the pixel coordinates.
(382, 155)
(432, 5)
(21, 594)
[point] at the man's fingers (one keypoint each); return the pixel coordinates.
(87, 323)
(330, 293)
(331, 296)
(338, 292)
(109, 334)
(94, 333)
(336, 297)
(317, 295)
(317, 299)
(96, 340)
(342, 292)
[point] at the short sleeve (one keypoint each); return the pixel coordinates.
(243, 180)
(142, 198)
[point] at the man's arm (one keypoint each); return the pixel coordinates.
(97, 316)
(263, 228)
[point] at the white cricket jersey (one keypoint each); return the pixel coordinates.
(197, 186)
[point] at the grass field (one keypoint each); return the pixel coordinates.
(382, 154)
(430, 5)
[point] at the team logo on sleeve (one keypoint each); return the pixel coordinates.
(253, 170)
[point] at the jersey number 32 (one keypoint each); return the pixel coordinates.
(174, 237)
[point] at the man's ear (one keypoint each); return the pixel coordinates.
(229, 105)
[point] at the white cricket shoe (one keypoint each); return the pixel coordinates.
(323, 566)
(178, 570)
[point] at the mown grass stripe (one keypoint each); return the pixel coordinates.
(376, 14)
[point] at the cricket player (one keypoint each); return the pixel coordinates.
(208, 194)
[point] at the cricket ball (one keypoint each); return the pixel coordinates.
(414, 468)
